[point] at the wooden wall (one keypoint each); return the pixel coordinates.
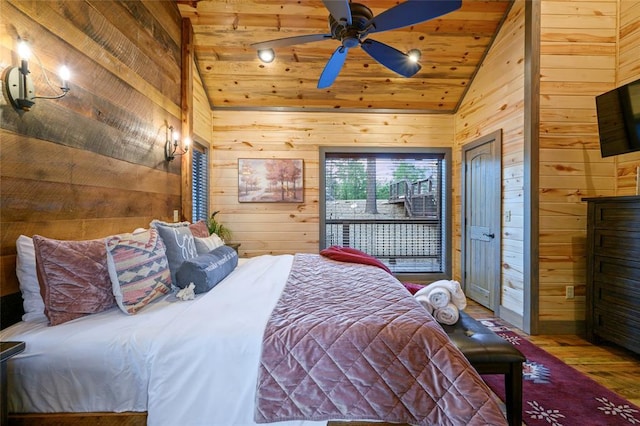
(91, 164)
(495, 101)
(579, 60)
(628, 70)
(202, 117)
(272, 228)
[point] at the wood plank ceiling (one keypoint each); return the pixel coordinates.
(452, 47)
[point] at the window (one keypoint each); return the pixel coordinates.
(200, 183)
(394, 204)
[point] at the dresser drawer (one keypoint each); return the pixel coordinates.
(616, 215)
(616, 291)
(610, 269)
(618, 326)
(607, 242)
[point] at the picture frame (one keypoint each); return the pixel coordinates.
(272, 180)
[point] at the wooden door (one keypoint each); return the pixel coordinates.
(482, 220)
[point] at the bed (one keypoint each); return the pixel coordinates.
(208, 361)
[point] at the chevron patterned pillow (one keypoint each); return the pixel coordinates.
(138, 268)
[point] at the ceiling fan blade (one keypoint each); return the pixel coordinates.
(289, 41)
(411, 12)
(339, 9)
(391, 58)
(333, 67)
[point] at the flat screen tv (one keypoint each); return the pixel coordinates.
(619, 119)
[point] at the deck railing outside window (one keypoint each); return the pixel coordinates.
(405, 245)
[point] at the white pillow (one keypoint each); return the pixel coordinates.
(28, 278)
(205, 245)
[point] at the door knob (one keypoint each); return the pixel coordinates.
(489, 235)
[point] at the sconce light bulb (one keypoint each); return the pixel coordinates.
(64, 73)
(175, 136)
(187, 142)
(24, 51)
(266, 55)
(414, 55)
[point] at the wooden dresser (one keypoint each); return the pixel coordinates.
(613, 271)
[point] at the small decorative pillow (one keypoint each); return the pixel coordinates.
(28, 279)
(199, 229)
(74, 279)
(138, 269)
(178, 240)
(205, 245)
(413, 287)
(207, 270)
(351, 255)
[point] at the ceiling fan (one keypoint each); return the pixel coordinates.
(351, 24)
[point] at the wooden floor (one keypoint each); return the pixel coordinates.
(608, 364)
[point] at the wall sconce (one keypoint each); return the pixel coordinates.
(19, 84)
(171, 145)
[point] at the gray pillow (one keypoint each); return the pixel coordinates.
(178, 239)
(207, 270)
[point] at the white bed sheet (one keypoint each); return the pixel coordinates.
(184, 362)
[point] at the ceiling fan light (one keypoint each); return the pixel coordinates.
(414, 55)
(266, 55)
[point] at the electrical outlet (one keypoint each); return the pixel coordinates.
(175, 216)
(507, 216)
(568, 291)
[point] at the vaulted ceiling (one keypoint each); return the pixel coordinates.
(452, 48)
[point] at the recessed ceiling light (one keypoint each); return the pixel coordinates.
(266, 55)
(414, 55)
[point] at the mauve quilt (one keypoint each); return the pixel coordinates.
(347, 341)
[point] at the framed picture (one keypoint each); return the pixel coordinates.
(270, 180)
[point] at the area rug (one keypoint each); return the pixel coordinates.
(557, 394)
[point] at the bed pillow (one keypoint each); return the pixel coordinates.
(28, 279)
(178, 240)
(74, 279)
(205, 245)
(199, 229)
(138, 269)
(351, 255)
(207, 270)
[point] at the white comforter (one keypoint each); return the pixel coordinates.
(185, 363)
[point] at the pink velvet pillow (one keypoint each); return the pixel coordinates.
(413, 287)
(74, 279)
(199, 229)
(348, 254)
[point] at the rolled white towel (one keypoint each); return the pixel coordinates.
(424, 301)
(439, 297)
(457, 295)
(448, 315)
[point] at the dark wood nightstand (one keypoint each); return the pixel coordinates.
(234, 246)
(7, 350)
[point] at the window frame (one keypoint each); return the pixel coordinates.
(447, 207)
(199, 148)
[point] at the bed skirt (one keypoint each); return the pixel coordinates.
(78, 419)
(119, 419)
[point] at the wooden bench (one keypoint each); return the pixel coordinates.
(489, 353)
